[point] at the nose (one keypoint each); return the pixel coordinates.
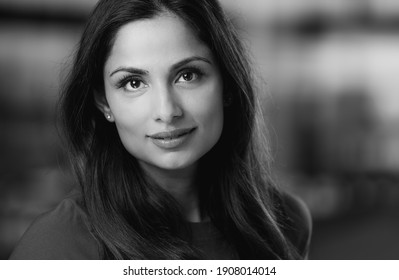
(167, 108)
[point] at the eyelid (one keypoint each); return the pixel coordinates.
(127, 78)
(122, 82)
(190, 69)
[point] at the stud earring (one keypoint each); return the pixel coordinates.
(107, 116)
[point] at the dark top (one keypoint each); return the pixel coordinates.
(63, 233)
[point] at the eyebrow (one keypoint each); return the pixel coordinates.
(130, 70)
(174, 66)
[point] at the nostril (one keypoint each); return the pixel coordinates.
(168, 109)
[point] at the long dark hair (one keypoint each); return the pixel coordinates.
(133, 218)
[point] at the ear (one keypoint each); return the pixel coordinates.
(102, 105)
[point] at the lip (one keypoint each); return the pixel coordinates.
(171, 139)
(171, 134)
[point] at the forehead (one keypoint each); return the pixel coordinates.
(160, 40)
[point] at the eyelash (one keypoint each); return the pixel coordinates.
(191, 69)
(128, 78)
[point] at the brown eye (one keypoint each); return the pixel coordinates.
(134, 84)
(188, 77)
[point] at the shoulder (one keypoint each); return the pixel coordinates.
(62, 233)
(298, 223)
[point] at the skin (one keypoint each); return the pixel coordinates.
(170, 81)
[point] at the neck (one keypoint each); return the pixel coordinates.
(181, 184)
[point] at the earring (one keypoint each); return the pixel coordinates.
(107, 116)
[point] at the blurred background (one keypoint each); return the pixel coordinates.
(328, 77)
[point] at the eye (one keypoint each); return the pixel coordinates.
(131, 83)
(189, 75)
(134, 84)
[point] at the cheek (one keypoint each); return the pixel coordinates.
(208, 108)
(129, 115)
(212, 113)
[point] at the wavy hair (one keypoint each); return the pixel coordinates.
(124, 207)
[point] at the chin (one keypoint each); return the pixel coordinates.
(175, 162)
(175, 165)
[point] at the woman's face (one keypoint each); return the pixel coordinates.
(163, 90)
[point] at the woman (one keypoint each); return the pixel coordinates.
(162, 119)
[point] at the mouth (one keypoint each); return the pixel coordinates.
(173, 139)
(173, 134)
